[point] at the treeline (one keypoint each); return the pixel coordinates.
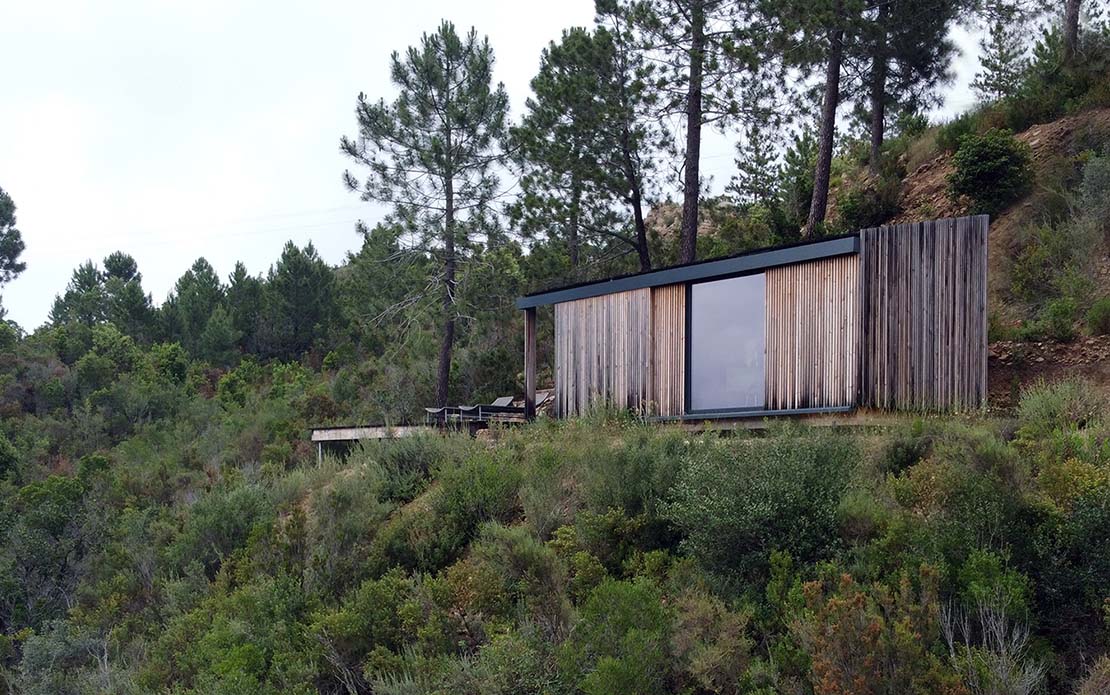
(485, 207)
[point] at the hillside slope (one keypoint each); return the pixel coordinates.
(1055, 149)
(925, 190)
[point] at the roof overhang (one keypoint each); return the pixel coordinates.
(745, 264)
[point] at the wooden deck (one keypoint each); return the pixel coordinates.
(356, 433)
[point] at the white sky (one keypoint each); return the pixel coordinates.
(173, 130)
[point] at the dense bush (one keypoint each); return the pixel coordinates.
(869, 203)
(1098, 317)
(951, 134)
(620, 644)
(481, 488)
(855, 634)
(1060, 406)
(992, 170)
(737, 501)
(1058, 319)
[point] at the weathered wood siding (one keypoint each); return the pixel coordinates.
(925, 315)
(812, 333)
(668, 349)
(603, 352)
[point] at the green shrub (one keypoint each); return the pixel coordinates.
(992, 170)
(343, 512)
(710, 642)
(1059, 406)
(1055, 261)
(518, 663)
(1069, 567)
(482, 488)
(620, 644)
(1058, 319)
(379, 613)
(986, 579)
(586, 573)
(738, 500)
(1098, 317)
(9, 457)
(408, 462)
(219, 523)
(869, 203)
(636, 473)
(531, 573)
(968, 490)
(952, 133)
(905, 448)
(1094, 190)
(612, 537)
(861, 516)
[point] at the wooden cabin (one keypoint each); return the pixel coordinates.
(889, 318)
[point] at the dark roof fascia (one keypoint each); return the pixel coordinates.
(721, 268)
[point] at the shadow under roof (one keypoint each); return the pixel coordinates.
(740, 264)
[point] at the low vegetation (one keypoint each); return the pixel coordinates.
(603, 555)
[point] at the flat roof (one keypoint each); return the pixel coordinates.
(740, 264)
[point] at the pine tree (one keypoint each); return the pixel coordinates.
(11, 244)
(1071, 29)
(299, 302)
(11, 241)
(907, 54)
(83, 300)
(244, 302)
(431, 153)
(195, 295)
(584, 146)
(709, 54)
(834, 25)
(796, 180)
(1004, 57)
(129, 308)
(219, 339)
(757, 169)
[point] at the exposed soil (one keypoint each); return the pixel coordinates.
(925, 192)
(1013, 366)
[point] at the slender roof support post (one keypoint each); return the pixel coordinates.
(530, 363)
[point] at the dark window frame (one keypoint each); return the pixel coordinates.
(687, 390)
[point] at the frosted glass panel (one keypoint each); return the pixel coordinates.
(727, 343)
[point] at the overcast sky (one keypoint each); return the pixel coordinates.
(174, 130)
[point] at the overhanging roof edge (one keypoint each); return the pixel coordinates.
(736, 265)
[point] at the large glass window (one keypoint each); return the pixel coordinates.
(727, 343)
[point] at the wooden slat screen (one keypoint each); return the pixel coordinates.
(603, 352)
(925, 315)
(668, 363)
(812, 334)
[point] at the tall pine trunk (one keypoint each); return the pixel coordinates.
(820, 202)
(443, 373)
(878, 93)
(572, 226)
(635, 199)
(1071, 29)
(641, 229)
(691, 186)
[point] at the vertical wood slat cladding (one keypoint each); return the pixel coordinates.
(812, 329)
(668, 349)
(925, 315)
(603, 352)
